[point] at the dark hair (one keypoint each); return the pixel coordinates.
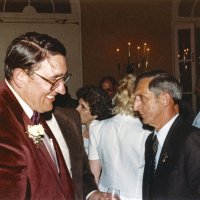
(98, 101)
(109, 78)
(162, 81)
(30, 49)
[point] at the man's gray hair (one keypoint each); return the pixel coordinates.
(163, 82)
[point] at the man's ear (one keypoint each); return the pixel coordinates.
(19, 77)
(165, 99)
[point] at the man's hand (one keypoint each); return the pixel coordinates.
(97, 195)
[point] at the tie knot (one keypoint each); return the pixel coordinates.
(35, 117)
(155, 138)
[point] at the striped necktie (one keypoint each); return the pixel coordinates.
(154, 151)
(35, 118)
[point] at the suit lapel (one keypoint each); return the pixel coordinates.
(47, 157)
(61, 178)
(65, 178)
(169, 144)
(41, 147)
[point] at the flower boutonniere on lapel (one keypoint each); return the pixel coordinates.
(36, 132)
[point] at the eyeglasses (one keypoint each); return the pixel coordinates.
(55, 83)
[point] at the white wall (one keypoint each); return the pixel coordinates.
(68, 34)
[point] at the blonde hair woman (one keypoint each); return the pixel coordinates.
(116, 148)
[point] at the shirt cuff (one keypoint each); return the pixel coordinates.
(88, 196)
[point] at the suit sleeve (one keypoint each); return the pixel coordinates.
(13, 176)
(89, 183)
(192, 155)
(70, 121)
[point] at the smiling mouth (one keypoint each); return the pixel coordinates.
(51, 97)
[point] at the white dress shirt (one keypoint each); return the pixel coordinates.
(196, 121)
(161, 135)
(119, 144)
(53, 125)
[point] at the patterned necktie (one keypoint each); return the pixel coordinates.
(35, 118)
(154, 151)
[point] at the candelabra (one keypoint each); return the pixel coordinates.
(137, 64)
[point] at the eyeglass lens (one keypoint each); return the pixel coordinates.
(65, 78)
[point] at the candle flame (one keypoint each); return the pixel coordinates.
(129, 44)
(117, 50)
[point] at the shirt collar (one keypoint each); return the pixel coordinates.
(23, 104)
(162, 133)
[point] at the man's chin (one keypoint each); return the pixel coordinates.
(145, 121)
(47, 108)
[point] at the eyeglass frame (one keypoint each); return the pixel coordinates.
(54, 84)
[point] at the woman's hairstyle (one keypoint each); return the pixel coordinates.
(162, 81)
(28, 50)
(98, 101)
(124, 98)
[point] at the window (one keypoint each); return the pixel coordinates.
(41, 6)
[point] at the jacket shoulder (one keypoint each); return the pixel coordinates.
(66, 113)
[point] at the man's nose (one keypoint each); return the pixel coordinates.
(137, 104)
(78, 108)
(61, 88)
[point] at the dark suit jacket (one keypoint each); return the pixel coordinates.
(69, 122)
(178, 170)
(27, 170)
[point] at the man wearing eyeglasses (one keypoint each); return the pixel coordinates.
(40, 158)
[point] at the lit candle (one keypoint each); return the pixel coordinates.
(118, 57)
(118, 60)
(138, 56)
(145, 46)
(147, 58)
(184, 54)
(129, 52)
(129, 49)
(117, 51)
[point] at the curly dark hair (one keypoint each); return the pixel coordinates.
(98, 101)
